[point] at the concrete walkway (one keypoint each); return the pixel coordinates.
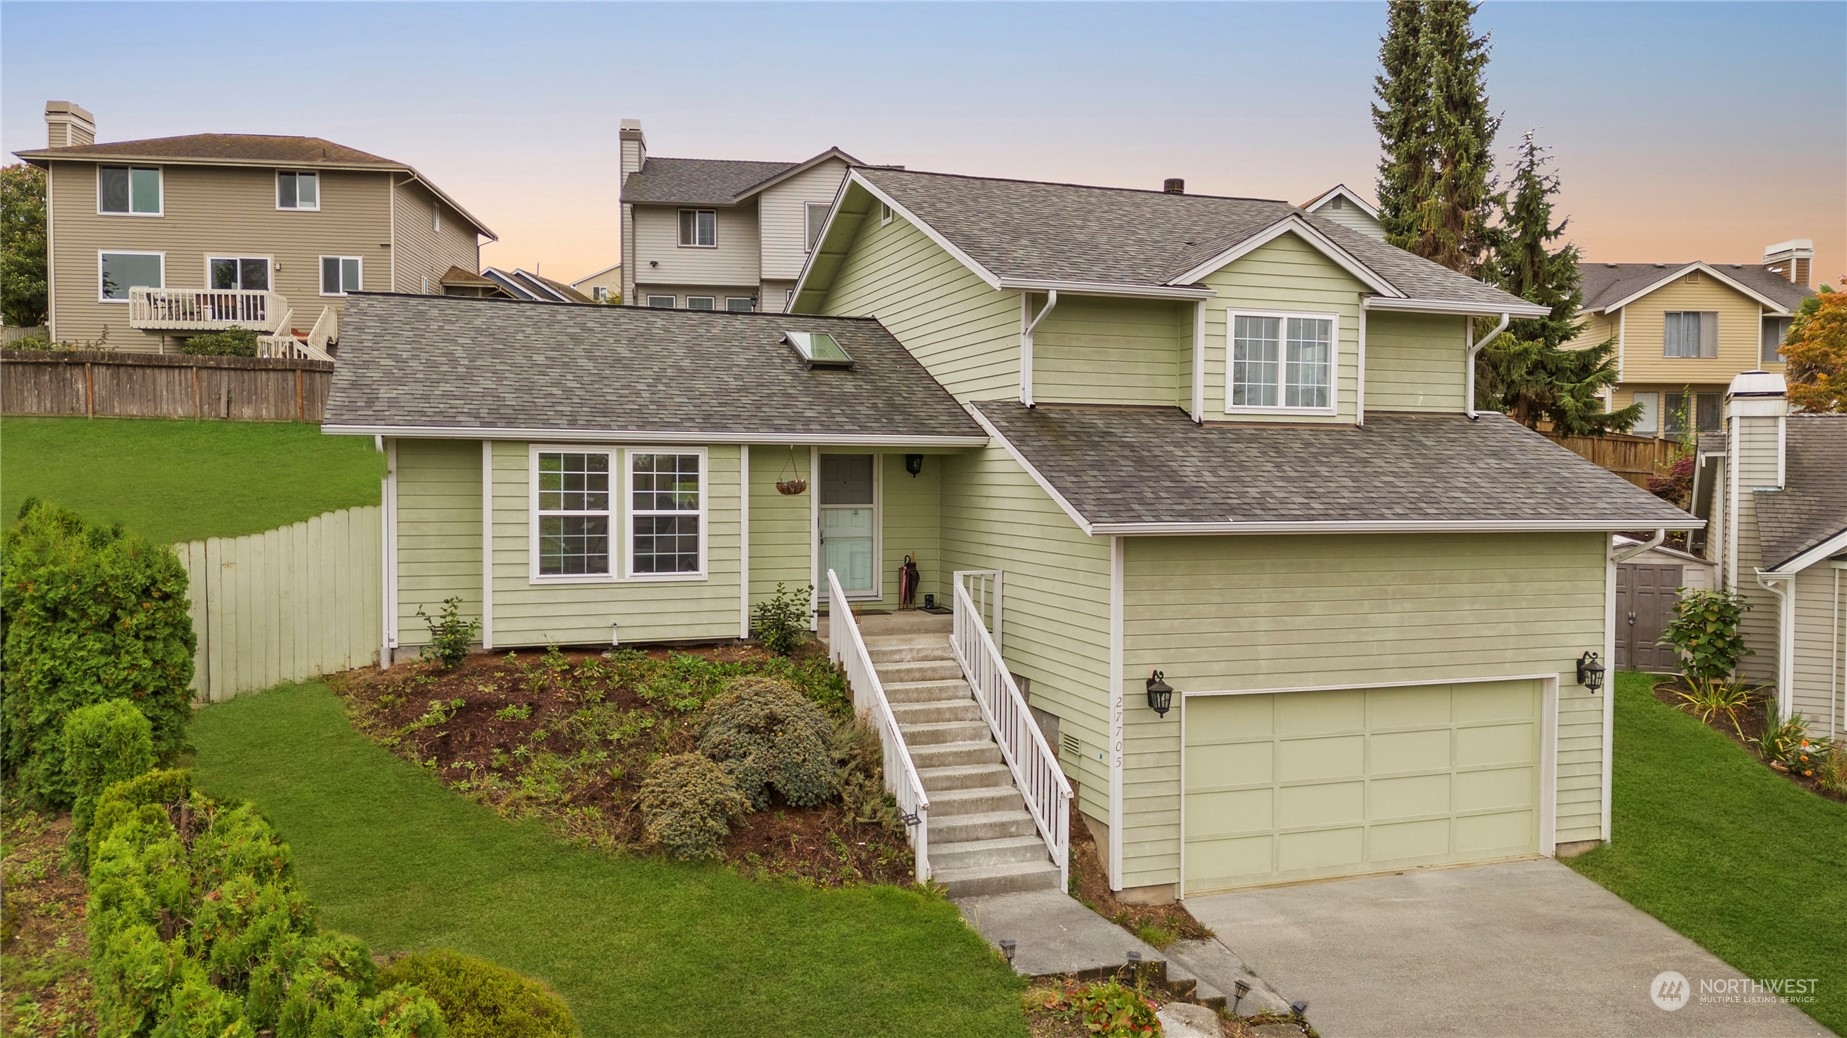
(1511, 949)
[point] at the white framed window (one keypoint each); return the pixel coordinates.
(740, 304)
(342, 274)
(250, 273)
(884, 215)
(666, 513)
(600, 293)
(1650, 421)
(702, 302)
(128, 191)
(119, 271)
(1281, 362)
(663, 302)
(815, 215)
(1776, 331)
(298, 191)
(572, 514)
(426, 284)
(698, 228)
(1690, 333)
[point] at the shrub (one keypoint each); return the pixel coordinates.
(232, 342)
(1676, 484)
(92, 614)
(1831, 774)
(1709, 699)
(1704, 632)
(449, 633)
(861, 762)
(781, 621)
(1115, 1011)
(481, 1000)
(1786, 741)
(769, 736)
(104, 743)
(688, 804)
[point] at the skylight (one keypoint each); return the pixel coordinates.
(819, 349)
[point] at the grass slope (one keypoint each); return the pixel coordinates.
(177, 481)
(636, 945)
(1712, 843)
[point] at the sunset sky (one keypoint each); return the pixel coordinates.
(1682, 131)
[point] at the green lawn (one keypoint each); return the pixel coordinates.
(183, 480)
(1712, 843)
(636, 945)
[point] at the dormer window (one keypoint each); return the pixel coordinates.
(298, 191)
(819, 349)
(1281, 362)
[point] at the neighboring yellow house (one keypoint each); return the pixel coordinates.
(156, 240)
(604, 286)
(1684, 330)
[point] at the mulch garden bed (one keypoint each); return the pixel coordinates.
(1752, 721)
(567, 737)
(44, 971)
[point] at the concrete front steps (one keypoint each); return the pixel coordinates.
(982, 841)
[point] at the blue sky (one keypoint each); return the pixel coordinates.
(1681, 130)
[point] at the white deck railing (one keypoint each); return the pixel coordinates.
(1022, 745)
(204, 309)
(846, 647)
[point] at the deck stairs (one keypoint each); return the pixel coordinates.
(286, 342)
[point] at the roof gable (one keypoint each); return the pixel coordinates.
(1811, 509)
(1345, 193)
(670, 181)
(1611, 286)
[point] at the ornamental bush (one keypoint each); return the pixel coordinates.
(232, 342)
(771, 737)
(482, 1000)
(1704, 632)
(688, 804)
(104, 743)
(92, 613)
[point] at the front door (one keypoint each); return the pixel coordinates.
(849, 522)
(1645, 597)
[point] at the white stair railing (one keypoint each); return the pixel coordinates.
(326, 329)
(1035, 768)
(846, 647)
(281, 343)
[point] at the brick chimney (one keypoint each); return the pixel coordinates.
(1791, 259)
(68, 125)
(634, 146)
(1174, 186)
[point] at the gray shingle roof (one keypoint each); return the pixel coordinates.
(460, 363)
(1606, 283)
(1153, 465)
(1032, 230)
(1812, 506)
(225, 147)
(697, 181)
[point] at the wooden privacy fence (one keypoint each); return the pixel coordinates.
(100, 384)
(286, 604)
(1635, 458)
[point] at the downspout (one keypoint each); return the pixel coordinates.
(1785, 696)
(1630, 553)
(1474, 348)
(1026, 340)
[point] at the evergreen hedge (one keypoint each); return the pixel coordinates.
(104, 743)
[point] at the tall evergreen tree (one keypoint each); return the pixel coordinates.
(1526, 371)
(1401, 115)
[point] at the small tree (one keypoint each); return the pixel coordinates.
(1816, 353)
(23, 253)
(1704, 632)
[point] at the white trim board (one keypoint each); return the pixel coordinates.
(1449, 306)
(1704, 268)
(1295, 224)
(656, 437)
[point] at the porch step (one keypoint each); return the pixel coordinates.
(914, 649)
(1007, 850)
(925, 691)
(991, 825)
(963, 776)
(1010, 878)
(976, 801)
(912, 671)
(934, 733)
(909, 714)
(953, 754)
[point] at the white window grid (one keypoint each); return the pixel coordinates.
(670, 520)
(1283, 352)
(574, 515)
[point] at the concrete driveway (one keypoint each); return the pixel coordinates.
(1515, 948)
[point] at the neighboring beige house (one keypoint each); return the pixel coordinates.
(1344, 206)
(160, 239)
(719, 234)
(1684, 330)
(1774, 487)
(602, 285)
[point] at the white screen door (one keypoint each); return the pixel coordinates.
(849, 521)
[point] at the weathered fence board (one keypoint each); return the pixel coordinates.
(1635, 458)
(145, 385)
(286, 604)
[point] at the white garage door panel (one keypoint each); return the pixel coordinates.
(1308, 784)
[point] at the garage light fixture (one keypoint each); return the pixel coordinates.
(1590, 672)
(1160, 694)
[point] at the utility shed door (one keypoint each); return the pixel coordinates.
(1301, 785)
(1645, 597)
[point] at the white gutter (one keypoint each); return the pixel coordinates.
(1631, 552)
(1103, 288)
(1448, 306)
(446, 432)
(1379, 526)
(1476, 347)
(1026, 340)
(1785, 636)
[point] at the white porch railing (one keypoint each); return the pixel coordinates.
(283, 342)
(204, 309)
(1022, 745)
(846, 647)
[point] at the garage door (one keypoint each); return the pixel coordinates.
(1299, 785)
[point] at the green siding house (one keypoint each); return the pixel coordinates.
(1126, 434)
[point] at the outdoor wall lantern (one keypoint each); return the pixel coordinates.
(1590, 672)
(913, 463)
(1160, 694)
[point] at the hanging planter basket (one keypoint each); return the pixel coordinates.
(791, 487)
